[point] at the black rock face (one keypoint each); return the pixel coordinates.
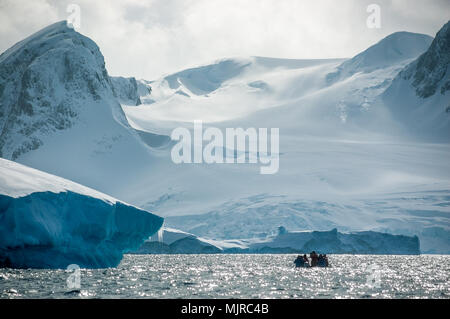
(430, 71)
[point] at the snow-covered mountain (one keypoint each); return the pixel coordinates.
(420, 94)
(49, 222)
(346, 161)
(59, 110)
(430, 72)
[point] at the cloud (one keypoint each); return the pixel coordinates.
(149, 38)
(19, 18)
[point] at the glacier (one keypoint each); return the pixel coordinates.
(50, 222)
(350, 158)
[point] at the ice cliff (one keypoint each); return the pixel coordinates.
(329, 242)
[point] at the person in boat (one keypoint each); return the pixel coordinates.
(305, 258)
(299, 261)
(302, 261)
(321, 261)
(326, 260)
(314, 258)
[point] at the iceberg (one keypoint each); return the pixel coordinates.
(334, 242)
(50, 222)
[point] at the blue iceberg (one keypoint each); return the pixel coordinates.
(50, 222)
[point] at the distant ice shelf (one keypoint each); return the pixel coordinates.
(329, 242)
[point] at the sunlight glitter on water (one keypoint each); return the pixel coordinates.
(241, 276)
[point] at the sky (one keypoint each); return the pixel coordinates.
(148, 39)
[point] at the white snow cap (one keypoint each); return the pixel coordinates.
(18, 180)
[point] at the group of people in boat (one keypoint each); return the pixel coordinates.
(316, 260)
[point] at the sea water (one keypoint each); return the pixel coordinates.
(240, 276)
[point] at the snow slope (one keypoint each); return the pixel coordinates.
(392, 50)
(49, 222)
(225, 90)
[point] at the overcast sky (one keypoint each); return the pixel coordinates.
(147, 39)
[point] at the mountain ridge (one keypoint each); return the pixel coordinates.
(431, 68)
(392, 49)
